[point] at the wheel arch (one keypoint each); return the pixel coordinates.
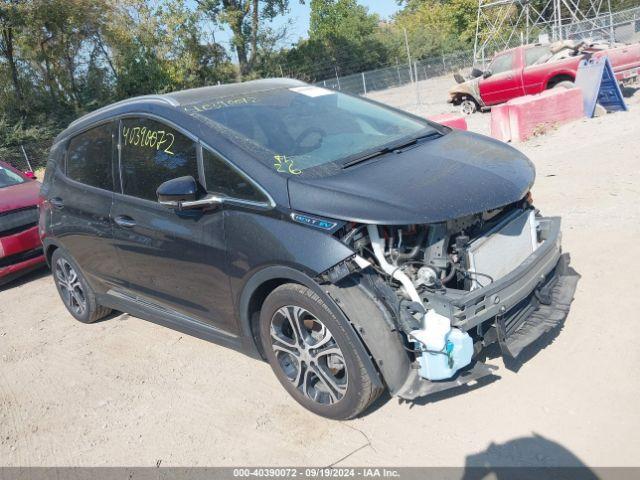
(351, 302)
(255, 292)
(557, 77)
(49, 246)
(458, 97)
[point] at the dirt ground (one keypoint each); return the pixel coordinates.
(128, 392)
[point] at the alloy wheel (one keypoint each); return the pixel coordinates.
(71, 289)
(468, 106)
(309, 355)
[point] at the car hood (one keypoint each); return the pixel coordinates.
(19, 196)
(458, 174)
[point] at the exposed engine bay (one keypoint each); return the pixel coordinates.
(420, 263)
(418, 259)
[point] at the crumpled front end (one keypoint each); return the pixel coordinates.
(453, 288)
(514, 311)
(469, 89)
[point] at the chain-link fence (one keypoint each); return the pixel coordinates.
(623, 26)
(26, 156)
(399, 74)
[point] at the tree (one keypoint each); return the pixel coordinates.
(244, 18)
(10, 21)
(342, 40)
(159, 47)
(62, 58)
(433, 27)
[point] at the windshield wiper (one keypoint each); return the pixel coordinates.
(364, 158)
(390, 148)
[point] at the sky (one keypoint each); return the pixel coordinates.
(299, 17)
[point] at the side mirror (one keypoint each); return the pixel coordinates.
(185, 193)
(486, 74)
(30, 174)
(182, 189)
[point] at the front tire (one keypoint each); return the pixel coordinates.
(468, 106)
(75, 292)
(313, 354)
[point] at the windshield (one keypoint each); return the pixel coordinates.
(9, 178)
(304, 127)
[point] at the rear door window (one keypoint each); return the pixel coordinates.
(151, 154)
(89, 157)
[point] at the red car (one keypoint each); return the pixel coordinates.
(20, 246)
(530, 69)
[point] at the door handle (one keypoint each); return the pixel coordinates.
(125, 221)
(56, 202)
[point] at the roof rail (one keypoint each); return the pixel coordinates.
(144, 98)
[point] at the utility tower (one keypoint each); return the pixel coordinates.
(504, 24)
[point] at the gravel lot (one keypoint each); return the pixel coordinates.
(128, 392)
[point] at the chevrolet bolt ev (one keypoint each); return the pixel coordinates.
(354, 247)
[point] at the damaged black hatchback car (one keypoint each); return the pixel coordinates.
(353, 246)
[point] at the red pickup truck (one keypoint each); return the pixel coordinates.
(530, 69)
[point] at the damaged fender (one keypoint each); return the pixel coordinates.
(372, 321)
(470, 88)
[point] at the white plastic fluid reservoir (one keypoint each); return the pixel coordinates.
(447, 349)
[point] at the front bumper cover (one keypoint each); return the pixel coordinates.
(19, 254)
(514, 311)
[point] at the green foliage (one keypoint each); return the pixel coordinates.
(245, 19)
(342, 39)
(433, 27)
(62, 58)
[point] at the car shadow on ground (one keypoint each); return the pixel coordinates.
(42, 272)
(534, 457)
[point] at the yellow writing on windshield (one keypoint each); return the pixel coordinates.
(283, 164)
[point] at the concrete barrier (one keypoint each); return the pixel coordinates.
(500, 125)
(450, 120)
(520, 118)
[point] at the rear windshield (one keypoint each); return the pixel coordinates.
(299, 128)
(9, 178)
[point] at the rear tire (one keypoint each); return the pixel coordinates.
(75, 292)
(313, 354)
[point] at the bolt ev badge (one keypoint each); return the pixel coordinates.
(313, 222)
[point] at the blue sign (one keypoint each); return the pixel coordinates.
(599, 85)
